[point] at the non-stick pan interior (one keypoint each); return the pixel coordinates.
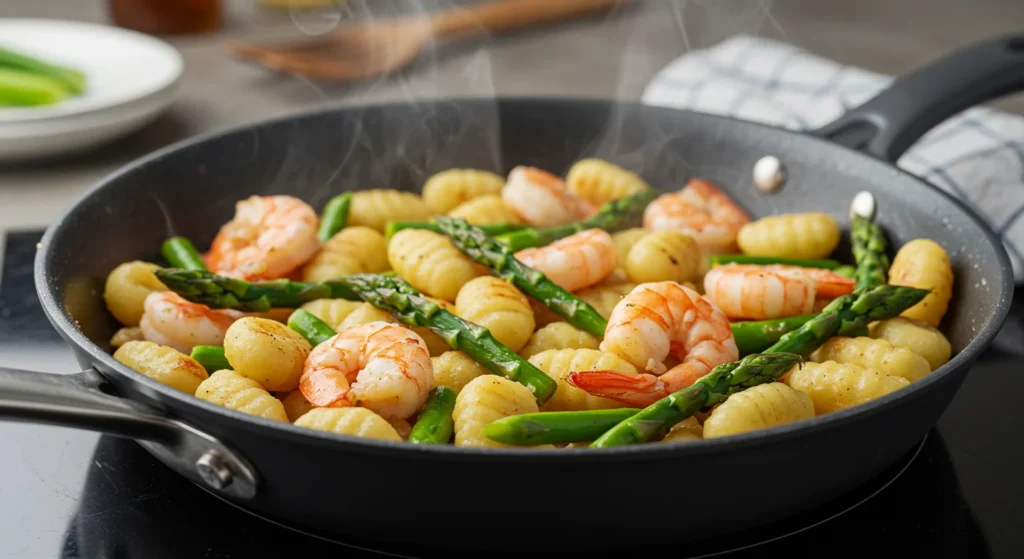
(191, 189)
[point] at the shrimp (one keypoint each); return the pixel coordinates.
(574, 262)
(381, 366)
(169, 319)
(775, 291)
(652, 322)
(702, 211)
(269, 237)
(541, 198)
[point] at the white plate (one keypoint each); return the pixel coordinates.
(131, 78)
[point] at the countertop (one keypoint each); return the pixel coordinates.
(611, 55)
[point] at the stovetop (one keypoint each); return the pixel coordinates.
(68, 494)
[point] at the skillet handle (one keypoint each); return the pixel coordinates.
(889, 123)
(81, 401)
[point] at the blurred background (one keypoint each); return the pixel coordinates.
(613, 53)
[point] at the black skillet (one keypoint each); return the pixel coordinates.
(514, 500)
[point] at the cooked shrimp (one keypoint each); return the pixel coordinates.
(168, 319)
(541, 198)
(746, 291)
(702, 211)
(381, 366)
(652, 322)
(576, 261)
(269, 237)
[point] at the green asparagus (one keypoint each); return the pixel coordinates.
(219, 292)
(310, 327)
(717, 259)
(410, 307)
(849, 313)
(756, 336)
(434, 425)
(393, 227)
(211, 357)
(334, 216)
(846, 271)
(556, 427)
(70, 79)
(181, 253)
(613, 216)
(19, 88)
(654, 421)
(499, 259)
(869, 248)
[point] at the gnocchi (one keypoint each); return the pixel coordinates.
(920, 338)
(874, 354)
(496, 305)
(485, 210)
(597, 181)
(924, 264)
(686, 430)
(374, 208)
(558, 363)
(455, 369)
(163, 364)
(353, 250)
(353, 422)
(802, 235)
(664, 256)
(758, 407)
(126, 289)
(483, 400)
(234, 391)
(836, 386)
(558, 335)
(445, 191)
(430, 263)
(267, 352)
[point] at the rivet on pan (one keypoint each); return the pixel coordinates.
(768, 173)
(863, 205)
(213, 470)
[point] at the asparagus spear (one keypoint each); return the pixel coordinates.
(756, 336)
(654, 421)
(70, 79)
(556, 427)
(310, 327)
(613, 216)
(211, 357)
(410, 307)
(716, 259)
(19, 88)
(846, 271)
(434, 424)
(393, 227)
(849, 313)
(219, 292)
(181, 253)
(334, 216)
(499, 259)
(869, 248)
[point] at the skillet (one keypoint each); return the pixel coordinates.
(518, 500)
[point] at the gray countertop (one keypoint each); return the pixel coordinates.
(605, 56)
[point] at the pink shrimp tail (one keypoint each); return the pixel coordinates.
(626, 388)
(325, 388)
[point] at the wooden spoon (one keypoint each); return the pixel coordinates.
(382, 46)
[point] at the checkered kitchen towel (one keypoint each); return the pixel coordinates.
(977, 156)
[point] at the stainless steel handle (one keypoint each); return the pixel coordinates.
(82, 401)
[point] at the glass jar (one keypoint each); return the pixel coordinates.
(167, 17)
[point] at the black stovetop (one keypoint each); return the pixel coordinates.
(67, 493)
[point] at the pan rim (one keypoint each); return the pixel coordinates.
(47, 293)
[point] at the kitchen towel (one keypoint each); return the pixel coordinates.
(976, 156)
